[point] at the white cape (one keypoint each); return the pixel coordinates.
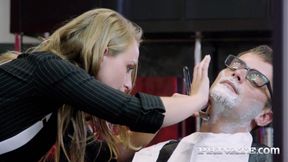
(203, 147)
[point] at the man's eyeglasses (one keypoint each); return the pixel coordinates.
(255, 77)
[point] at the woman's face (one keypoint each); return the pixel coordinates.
(116, 71)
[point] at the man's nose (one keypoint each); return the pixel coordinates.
(239, 75)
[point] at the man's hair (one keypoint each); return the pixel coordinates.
(263, 51)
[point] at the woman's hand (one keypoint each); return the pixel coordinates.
(179, 107)
(200, 82)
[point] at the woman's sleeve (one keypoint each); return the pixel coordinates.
(65, 83)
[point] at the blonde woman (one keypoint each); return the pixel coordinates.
(47, 93)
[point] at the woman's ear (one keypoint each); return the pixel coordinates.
(106, 53)
(264, 118)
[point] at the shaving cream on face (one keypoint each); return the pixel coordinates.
(221, 94)
(224, 100)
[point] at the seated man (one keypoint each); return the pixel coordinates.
(240, 100)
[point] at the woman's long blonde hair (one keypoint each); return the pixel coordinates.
(83, 42)
(8, 56)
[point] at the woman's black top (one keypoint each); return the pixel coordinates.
(34, 85)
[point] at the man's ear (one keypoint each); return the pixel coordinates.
(264, 118)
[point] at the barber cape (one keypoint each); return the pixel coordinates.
(203, 147)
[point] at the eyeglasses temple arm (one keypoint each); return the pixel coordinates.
(270, 89)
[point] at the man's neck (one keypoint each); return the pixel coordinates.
(222, 127)
(219, 123)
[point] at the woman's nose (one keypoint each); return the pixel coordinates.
(128, 84)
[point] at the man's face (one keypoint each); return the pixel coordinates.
(236, 98)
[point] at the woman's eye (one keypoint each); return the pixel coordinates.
(130, 68)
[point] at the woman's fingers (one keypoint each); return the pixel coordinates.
(206, 63)
(203, 67)
(200, 72)
(195, 76)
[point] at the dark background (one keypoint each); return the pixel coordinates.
(31, 16)
(226, 26)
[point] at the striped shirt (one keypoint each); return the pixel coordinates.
(34, 85)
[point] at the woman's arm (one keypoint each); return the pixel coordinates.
(180, 107)
(60, 82)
